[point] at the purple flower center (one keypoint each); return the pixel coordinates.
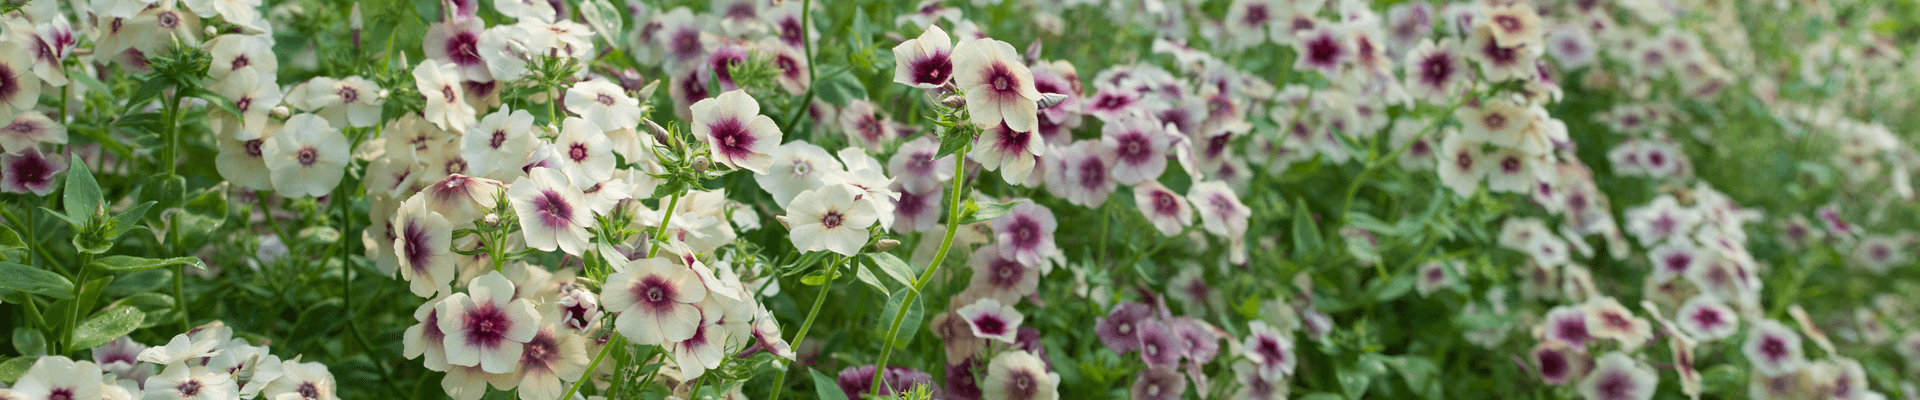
(552, 209)
(190, 388)
(487, 325)
(1164, 203)
(1614, 386)
(462, 49)
(499, 139)
(933, 70)
(577, 152)
(307, 156)
(732, 139)
(1257, 15)
(990, 325)
(831, 220)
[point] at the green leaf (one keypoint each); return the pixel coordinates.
(218, 101)
(1392, 289)
(840, 88)
(892, 267)
(1352, 382)
(867, 277)
(909, 324)
(824, 388)
(1321, 396)
(10, 240)
(106, 141)
(34, 280)
(1306, 236)
(158, 307)
(986, 212)
(29, 341)
(1420, 374)
(81, 200)
(105, 327)
(956, 137)
(11, 370)
(603, 17)
(149, 89)
(131, 263)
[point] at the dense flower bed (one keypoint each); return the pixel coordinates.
(1022, 199)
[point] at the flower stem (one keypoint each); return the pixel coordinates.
(611, 344)
(953, 224)
(780, 380)
(660, 234)
(806, 42)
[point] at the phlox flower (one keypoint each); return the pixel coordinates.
(833, 217)
(864, 126)
(1159, 382)
(504, 50)
(1556, 362)
(863, 172)
(1326, 49)
(181, 382)
(1462, 164)
(1515, 25)
(1013, 152)
(916, 212)
(1269, 350)
(1249, 19)
(1499, 63)
(1139, 146)
(1120, 328)
(181, 348)
(1019, 375)
(307, 157)
(1773, 349)
(552, 357)
(552, 212)
(793, 77)
(301, 381)
(1025, 233)
(254, 94)
(486, 326)
(351, 101)
(916, 170)
(605, 104)
(28, 130)
(798, 166)
(120, 358)
(1085, 175)
(57, 377)
(19, 87)
(857, 382)
(29, 172)
(426, 338)
(1254, 386)
(1569, 325)
(496, 147)
(998, 87)
(1618, 377)
(1607, 319)
(446, 101)
(423, 239)
(703, 350)
(924, 62)
(1221, 211)
(1160, 344)
(583, 152)
(989, 319)
(1705, 317)
(740, 137)
(232, 52)
(1000, 278)
(456, 42)
(655, 301)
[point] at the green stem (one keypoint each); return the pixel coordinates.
(826, 289)
(660, 234)
(611, 344)
(173, 132)
(1156, 246)
(939, 257)
(73, 312)
(806, 42)
(1354, 188)
(1106, 220)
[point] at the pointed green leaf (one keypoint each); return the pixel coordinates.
(131, 263)
(29, 341)
(987, 212)
(909, 324)
(105, 327)
(892, 267)
(10, 240)
(12, 369)
(34, 280)
(824, 388)
(866, 276)
(1306, 236)
(82, 197)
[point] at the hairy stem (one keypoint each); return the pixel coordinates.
(953, 224)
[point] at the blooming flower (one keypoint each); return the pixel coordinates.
(446, 104)
(426, 338)
(1221, 211)
(1025, 233)
(1705, 317)
(28, 130)
(1325, 48)
(181, 382)
(1607, 319)
(301, 381)
(1140, 149)
(57, 377)
(1019, 375)
(1160, 344)
(423, 239)
(19, 87)
(549, 359)
(1158, 382)
(1000, 278)
(498, 146)
(29, 172)
(1167, 210)
(1773, 349)
(552, 214)
(857, 382)
(834, 218)
(1617, 377)
(605, 104)
(999, 88)
(740, 137)
(1556, 362)
(1120, 328)
(1013, 152)
(253, 94)
(1462, 164)
(307, 156)
(706, 346)
(990, 319)
(915, 169)
(456, 42)
(583, 152)
(798, 166)
(486, 326)
(350, 101)
(655, 301)
(1269, 350)
(924, 62)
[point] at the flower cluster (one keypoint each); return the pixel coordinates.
(207, 362)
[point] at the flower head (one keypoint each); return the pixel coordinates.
(1019, 375)
(924, 62)
(1221, 211)
(1025, 233)
(423, 239)
(834, 218)
(1617, 377)
(1013, 152)
(999, 88)
(28, 130)
(29, 172)
(57, 377)
(486, 326)
(605, 104)
(1166, 209)
(655, 301)
(1160, 344)
(991, 320)
(447, 105)
(1001, 278)
(181, 382)
(583, 152)
(301, 381)
(1556, 362)
(552, 212)
(1158, 382)
(1270, 351)
(798, 166)
(1120, 329)
(1773, 348)
(740, 137)
(308, 156)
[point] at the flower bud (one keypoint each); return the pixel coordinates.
(280, 112)
(492, 219)
(783, 222)
(1050, 99)
(885, 244)
(954, 101)
(211, 31)
(700, 164)
(659, 134)
(353, 18)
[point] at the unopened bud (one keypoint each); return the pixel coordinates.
(659, 134)
(280, 112)
(383, 94)
(885, 244)
(492, 219)
(1050, 99)
(700, 164)
(353, 18)
(953, 101)
(211, 31)
(783, 222)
